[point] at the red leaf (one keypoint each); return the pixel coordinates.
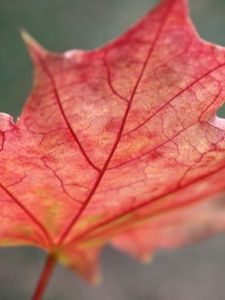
(118, 144)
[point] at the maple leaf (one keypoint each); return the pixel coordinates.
(118, 145)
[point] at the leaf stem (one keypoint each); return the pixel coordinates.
(45, 276)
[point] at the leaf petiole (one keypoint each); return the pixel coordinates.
(47, 271)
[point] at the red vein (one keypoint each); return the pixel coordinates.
(109, 80)
(28, 213)
(169, 139)
(60, 181)
(58, 100)
(99, 178)
(174, 97)
(142, 205)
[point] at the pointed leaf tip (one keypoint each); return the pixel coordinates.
(36, 51)
(146, 259)
(96, 280)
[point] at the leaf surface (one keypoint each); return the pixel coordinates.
(118, 145)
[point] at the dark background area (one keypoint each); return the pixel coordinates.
(194, 273)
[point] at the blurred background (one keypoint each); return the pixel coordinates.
(193, 273)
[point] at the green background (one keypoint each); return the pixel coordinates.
(193, 273)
